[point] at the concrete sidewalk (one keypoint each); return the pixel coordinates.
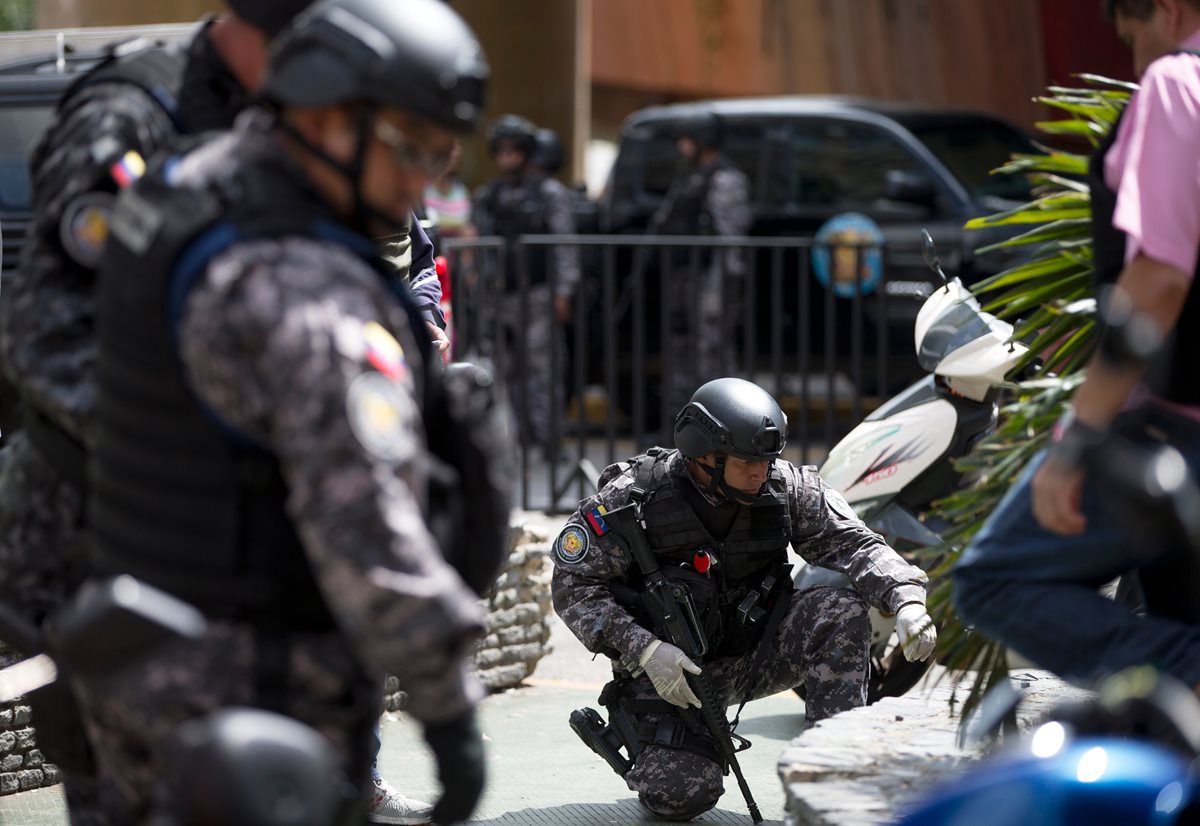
(539, 772)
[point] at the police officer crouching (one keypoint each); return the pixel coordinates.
(262, 411)
(719, 512)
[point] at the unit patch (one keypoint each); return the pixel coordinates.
(84, 227)
(572, 544)
(380, 414)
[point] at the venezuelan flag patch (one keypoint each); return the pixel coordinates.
(595, 520)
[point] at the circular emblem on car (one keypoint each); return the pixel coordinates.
(572, 544)
(843, 242)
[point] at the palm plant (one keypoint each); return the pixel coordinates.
(1050, 302)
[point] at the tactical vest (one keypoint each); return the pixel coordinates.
(157, 71)
(522, 213)
(755, 547)
(178, 499)
(686, 212)
(1172, 373)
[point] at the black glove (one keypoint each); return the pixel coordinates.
(458, 748)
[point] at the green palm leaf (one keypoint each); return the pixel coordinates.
(1049, 297)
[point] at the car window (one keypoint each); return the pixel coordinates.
(843, 166)
(742, 143)
(972, 148)
(23, 125)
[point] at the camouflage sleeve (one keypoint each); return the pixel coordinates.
(729, 203)
(826, 532)
(560, 220)
(48, 308)
(729, 206)
(297, 345)
(586, 564)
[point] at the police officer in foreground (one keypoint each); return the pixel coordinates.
(261, 448)
(539, 282)
(709, 197)
(720, 511)
(136, 101)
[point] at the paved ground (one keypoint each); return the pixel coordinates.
(540, 772)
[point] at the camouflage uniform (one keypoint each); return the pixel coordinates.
(821, 642)
(274, 339)
(535, 345)
(703, 319)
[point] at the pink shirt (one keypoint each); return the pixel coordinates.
(1154, 166)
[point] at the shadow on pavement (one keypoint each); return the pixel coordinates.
(606, 814)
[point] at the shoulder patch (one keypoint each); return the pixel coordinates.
(84, 227)
(380, 414)
(572, 545)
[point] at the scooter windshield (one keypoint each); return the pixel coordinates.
(958, 325)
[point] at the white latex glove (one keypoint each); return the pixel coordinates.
(665, 664)
(915, 629)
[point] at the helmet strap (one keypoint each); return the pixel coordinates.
(364, 117)
(718, 485)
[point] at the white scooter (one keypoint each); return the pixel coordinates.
(895, 464)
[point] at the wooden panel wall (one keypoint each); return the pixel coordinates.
(977, 53)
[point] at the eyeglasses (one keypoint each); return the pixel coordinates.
(432, 164)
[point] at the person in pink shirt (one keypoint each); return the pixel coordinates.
(1030, 576)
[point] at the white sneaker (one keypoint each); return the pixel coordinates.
(389, 806)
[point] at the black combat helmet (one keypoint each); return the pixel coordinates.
(418, 56)
(520, 131)
(703, 126)
(549, 152)
(730, 417)
(268, 16)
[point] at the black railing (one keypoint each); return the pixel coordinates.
(828, 359)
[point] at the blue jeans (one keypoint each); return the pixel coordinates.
(1036, 591)
(376, 745)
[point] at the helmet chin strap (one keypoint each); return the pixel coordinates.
(717, 483)
(364, 123)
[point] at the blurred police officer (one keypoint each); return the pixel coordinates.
(720, 511)
(260, 445)
(135, 100)
(709, 197)
(539, 282)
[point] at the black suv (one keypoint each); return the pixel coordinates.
(809, 159)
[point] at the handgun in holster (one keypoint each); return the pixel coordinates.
(600, 738)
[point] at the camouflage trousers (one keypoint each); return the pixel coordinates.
(700, 342)
(535, 358)
(132, 715)
(42, 563)
(822, 643)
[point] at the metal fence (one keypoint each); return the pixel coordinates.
(828, 348)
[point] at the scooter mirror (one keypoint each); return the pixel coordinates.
(931, 256)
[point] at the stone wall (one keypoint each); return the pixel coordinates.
(518, 621)
(862, 767)
(22, 766)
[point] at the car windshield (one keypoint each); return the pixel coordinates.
(971, 148)
(22, 127)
